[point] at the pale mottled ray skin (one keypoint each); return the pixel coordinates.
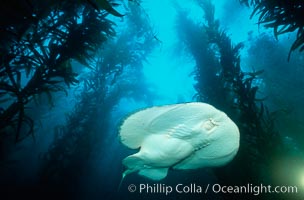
(179, 136)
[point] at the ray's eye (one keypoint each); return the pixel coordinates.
(210, 124)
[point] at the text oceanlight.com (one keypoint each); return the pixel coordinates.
(215, 188)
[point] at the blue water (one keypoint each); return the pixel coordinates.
(166, 76)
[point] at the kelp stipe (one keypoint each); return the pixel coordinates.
(115, 73)
(234, 92)
(37, 48)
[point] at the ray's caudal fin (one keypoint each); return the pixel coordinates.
(124, 174)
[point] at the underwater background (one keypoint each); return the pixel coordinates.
(72, 71)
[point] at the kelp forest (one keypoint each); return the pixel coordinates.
(72, 71)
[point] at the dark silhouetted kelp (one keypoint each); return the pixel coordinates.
(40, 40)
(115, 74)
(283, 16)
(222, 82)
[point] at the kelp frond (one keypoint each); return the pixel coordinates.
(39, 44)
(222, 82)
(284, 16)
(115, 73)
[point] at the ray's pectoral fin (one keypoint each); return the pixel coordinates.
(180, 131)
(154, 173)
(133, 163)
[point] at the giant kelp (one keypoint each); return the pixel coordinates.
(234, 91)
(38, 41)
(115, 74)
(283, 85)
(283, 16)
(196, 40)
